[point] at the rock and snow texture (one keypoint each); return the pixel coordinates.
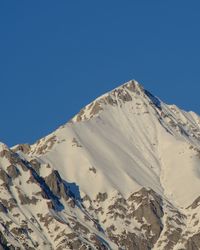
(123, 174)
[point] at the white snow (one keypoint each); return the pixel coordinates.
(129, 148)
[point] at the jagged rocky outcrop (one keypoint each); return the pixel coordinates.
(141, 215)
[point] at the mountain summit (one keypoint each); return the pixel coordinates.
(122, 94)
(121, 174)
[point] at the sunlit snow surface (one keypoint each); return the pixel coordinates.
(142, 142)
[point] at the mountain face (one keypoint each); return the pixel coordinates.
(123, 174)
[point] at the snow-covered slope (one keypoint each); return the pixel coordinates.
(129, 137)
(122, 174)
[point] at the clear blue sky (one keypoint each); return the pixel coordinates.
(57, 56)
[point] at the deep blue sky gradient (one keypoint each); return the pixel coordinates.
(57, 56)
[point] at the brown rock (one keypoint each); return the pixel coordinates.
(13, 171)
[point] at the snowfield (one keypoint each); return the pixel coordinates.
(131, 145)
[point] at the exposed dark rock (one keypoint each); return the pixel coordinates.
(79, 116)
(173, 236)
(13, 171)
(43, 194)
(47, 144)
(93, 169)
(25, 200)
(23, 166)
(193, 243)
(6, 153)
(9, 204)
(17, 230)
(76, 143)
(151, 210)
(79, 227)
(99, 243)
(118, 209)
(111, 101)
(5, 177)
(5, 245)
(46, 219)
(32, 178)
(195, 204)
(3, 208)
(96, 109)
(101, 197)
(130, 241)
(56, 185)
(35, 165)
(87, 198)
(25, 148)
(134, 87)
(50, 205)
(123, 95)
(144, 206)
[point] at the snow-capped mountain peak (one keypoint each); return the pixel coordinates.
(122, 174)
(117, 97)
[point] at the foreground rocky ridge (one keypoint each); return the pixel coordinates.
(64, 192)
(42, 213)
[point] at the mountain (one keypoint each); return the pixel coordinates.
(124, 173)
